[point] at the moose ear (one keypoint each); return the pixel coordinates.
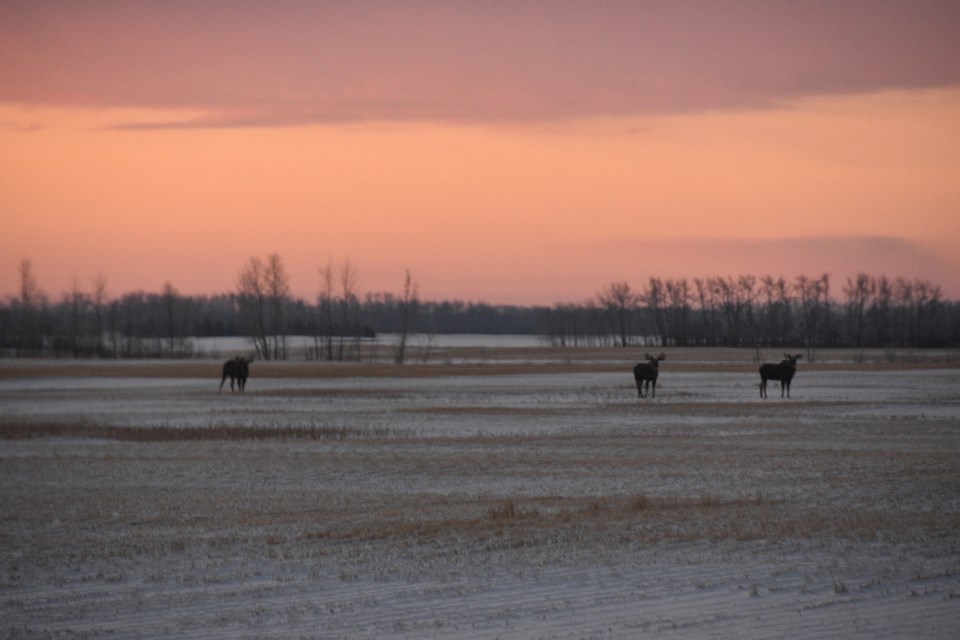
(647, 356)
(799, 355)
(662, 356)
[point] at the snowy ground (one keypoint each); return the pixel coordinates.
(505, 502)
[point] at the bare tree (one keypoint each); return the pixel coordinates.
(408, 309)
(171, 303)
(278, 290)
(880, 311)
(814, 306)
(335, 313)
(678, 310)
(325, 311)
(251, 300)
(31, 299)
(113, 322)
(655, 297)
(858, 292)
(932, 314)
(77, 302)
(567, 324)
(263, 291)
(747, 294)
(621, 303)
(98, 299)
(729, 294)
(708, 308)
(30, 293)
(777, 310)
(348, 302)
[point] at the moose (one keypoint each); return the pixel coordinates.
(237, 369)
(782, 371)
(646, 374)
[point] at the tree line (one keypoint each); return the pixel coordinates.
(762, 312)
(743, 311)
(341, 319)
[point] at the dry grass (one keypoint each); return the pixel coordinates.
(464, 489)
(472, 361)
(515, 522)
(21, 431)
(643, 480)
(16, 369)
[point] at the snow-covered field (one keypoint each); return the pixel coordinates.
(495, 500)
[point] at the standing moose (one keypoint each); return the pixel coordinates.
(646, 373)
(782, 371)
(237, 369)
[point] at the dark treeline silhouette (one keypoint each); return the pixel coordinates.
(158, 325)
(767, 312)
(745, 311)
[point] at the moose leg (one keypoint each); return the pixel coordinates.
(653, 388)
(763, 387)
(222, 380)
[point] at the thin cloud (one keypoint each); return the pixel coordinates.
(18, 127)
(286, 63)
(839, 256)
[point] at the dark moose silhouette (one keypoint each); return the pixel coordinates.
(782, 371)
(237, 369)
(646, 373)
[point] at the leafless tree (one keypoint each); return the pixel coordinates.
(747, 294)
(814, 296)
(31, 299)
(408, 309)
(597, 318)
(325, 310)
(278, 290)
(263, 291)
(777, 310)
(706, 296)
(171, 304)
(99, 299)
(678, 310)
(567, 325)
(77, 301)
(336, 311)
(348, 303)
(621, 303)
(903, 311)
(655, 297)
(880, 311)
(736, 297)
(932, 313)
(858, 291)
(251, 300)
(30, 293)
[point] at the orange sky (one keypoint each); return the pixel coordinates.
(600, 168)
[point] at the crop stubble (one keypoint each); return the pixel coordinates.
(91, 502)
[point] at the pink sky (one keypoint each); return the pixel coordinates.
(510, 152)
